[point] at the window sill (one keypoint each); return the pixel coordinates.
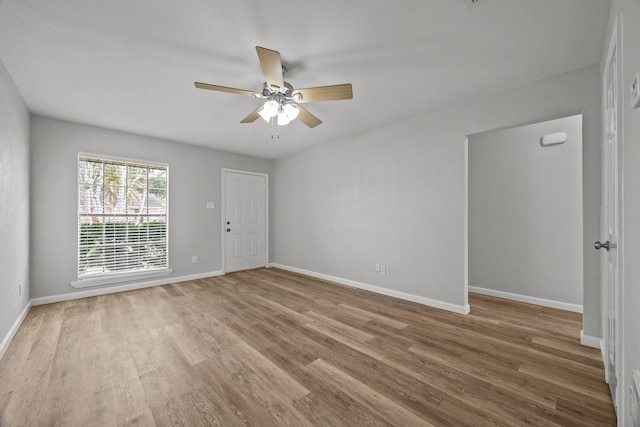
(119, 278)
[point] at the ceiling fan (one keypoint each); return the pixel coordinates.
(282, 101)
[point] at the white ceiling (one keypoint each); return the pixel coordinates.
(131, 64)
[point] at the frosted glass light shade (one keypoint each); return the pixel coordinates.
(264, 115)
(283, 119)
(291, 111)
(269, 109)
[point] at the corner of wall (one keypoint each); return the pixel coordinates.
(15, 215)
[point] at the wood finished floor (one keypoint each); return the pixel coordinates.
(273, 348)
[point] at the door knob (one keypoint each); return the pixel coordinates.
(228, 230)
(599, 245)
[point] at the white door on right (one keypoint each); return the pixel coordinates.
(610, 275)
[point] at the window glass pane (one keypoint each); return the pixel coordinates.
(122, 216)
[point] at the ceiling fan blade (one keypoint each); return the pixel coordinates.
(253, 116)
(271, 66)
(325, 93)
(224, 89)
(307, 118)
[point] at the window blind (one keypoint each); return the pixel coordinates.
(122, 216)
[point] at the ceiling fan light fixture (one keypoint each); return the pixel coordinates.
(269, 110)
(283, 118)
(291, 111)
(280, 98)
(271, 107)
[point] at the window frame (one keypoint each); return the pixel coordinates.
(97, 279)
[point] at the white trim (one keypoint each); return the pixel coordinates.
(122, 159)
(224, 212)
(121, 288)
(14, 328)
(119, 278)
(466, 221)
(379, 290)
(589, 341)
(529, 300)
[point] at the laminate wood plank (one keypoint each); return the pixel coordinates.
(375, 402)
(576, 367)
(597, 390)
(468, 415)
(162, 368)
(333, 408)
(269, 347)
(230, 392)
(190, 409)
(185, 342)
(127, 403)
(26, 368)
(585, 414)
(324, 406)
(241, 324)
(270, 373)
(114, 364)
(528, 388)
(284, 310)
(263, 392)
(338, 335)
(525, 412)
(507, 379)
(337, 328)
(374, 316)
(378, 376)
(569, 347)
(545, 322)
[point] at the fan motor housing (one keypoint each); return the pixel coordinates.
(268, 90)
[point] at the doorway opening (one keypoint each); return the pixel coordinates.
(525, 213)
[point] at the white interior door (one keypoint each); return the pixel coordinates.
(245, 221)
(610, 273)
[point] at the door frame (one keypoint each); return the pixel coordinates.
(223, 213)
(530, 300)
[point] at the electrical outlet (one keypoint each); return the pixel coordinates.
(194, 259)
(378, 267)
(383, 269)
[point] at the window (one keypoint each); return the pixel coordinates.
(122, 216)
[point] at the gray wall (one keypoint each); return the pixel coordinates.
(195, 177)
(628, 11)
(525, 211)
(396, 194)
(14, 203)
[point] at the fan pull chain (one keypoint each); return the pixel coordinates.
(273, 125)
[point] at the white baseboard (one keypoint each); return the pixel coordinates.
(379, 290)
(121, 288)
(14, 328)
(589, 341)
(530, 300)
